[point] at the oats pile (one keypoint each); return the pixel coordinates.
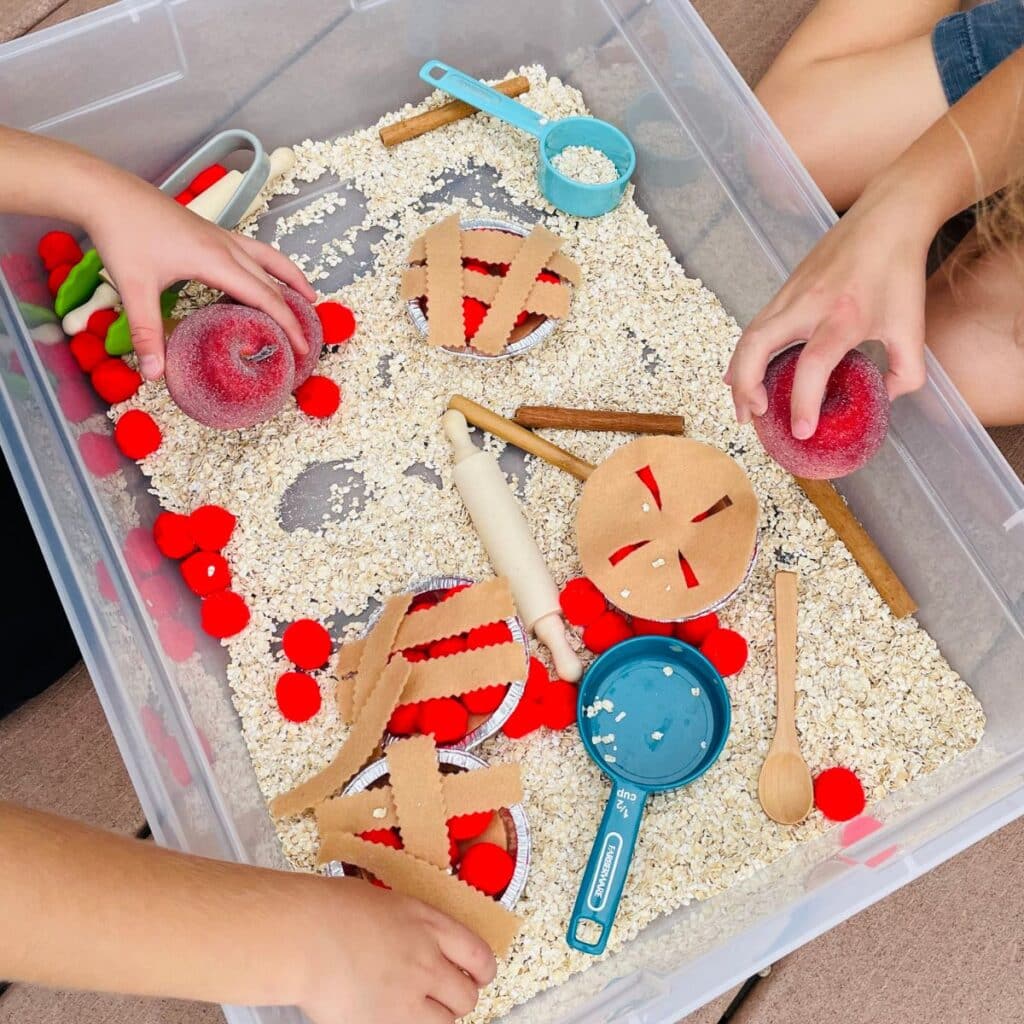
(586, 165)
(334, 516)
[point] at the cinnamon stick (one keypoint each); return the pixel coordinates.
(456, 110)
(865, 552)
(557, 418)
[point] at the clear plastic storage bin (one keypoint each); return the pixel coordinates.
(144, 81)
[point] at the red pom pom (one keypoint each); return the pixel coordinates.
(537, 679)
(448, 646)
(212, 526)
(469, 826)
(444, 718)
(696, 631)
(173, 534)
(57, 247)
(404, 720)
(141, 553)
(177, 640)
(307, 644)
(206, 572)
(486, 700)
(559, 705)
(337, 321)
(205, 178)
(582, 602)
(99, 453)
(608, 629)
(318, 397)
(76, 401)
(136, 434)
(115, 381)
(57, 277)
(527, 717)
(87, 350)
(298, 696)
(488, 636)
(473, 313)
(726, 650)
(176, 762)
(159, 596)
(838, 794)
(185, 197)
(383, 837)
(223, 614)
(106, 584)
(649, 627)
(487, 867)
(100, 321)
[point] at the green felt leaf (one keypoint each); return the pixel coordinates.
(119, 336)
(79, 285)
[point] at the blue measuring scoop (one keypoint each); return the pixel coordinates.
(654, 715)
(575, 197)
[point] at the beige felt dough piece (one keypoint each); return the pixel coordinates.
(105, 297)
(212, 200)
(377, 650)
(464, 672)
(443, 246)
(667, 527)
(419, 800)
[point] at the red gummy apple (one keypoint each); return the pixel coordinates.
(853, 423)
(312, 328)
(229, 366)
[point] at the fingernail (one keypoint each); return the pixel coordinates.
(802, 430)
(150, 367)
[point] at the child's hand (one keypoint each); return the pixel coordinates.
(148, 241)
(378, 956)
(865, 280)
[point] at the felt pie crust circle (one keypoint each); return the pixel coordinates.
(667, 528)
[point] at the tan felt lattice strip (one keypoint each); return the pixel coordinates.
(379, 645)
(405, 874)
(443, 247)
(343, 696)
(357, 749)
(545, 299)
(483, 789)
(460, 673)
(500, 247)
(419, 802)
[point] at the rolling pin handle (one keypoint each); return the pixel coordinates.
(550, 631)
(456, 429)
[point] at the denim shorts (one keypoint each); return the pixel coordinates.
(970, 44)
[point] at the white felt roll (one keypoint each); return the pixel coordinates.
(209, 203)
(105, 297)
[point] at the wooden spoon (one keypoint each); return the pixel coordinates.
(785, 788)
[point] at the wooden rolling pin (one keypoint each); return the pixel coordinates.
(455, 110)
(557, 418)
(509, 543)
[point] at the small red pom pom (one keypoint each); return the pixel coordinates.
(487, 636)
(177, 640)
(444, 718)
(100, 321)
(559, 704)
(206, 177)
(176, 762)
(159, 596)
(383, 837)
(537, 679)
(696, 631)
(307, 644)
(223, 614)
(136, 434)
(838, 794)
(527, 717)
(448, 646)
(206, 572)
(582, 602)
(318, 397)
(404, 719)
(76, 401)
(469, 826)
(87, 350)
(298, 696)
(487, 867)
(606, 631)
(337, 321)
(485, 700)
(473, 313)
(141, 553)
(185, 197)
(115, 381)
(212, 526)
(58, 276)
(173, 534)
(726, 650)
(58, 247)
(99, 453)
(650, 627)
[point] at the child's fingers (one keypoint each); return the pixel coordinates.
(827, 345)
(278, 265)
(758, 343)
(467, 951)
(451, 989)
(435, 1013)
(142, 305)
(907, 370)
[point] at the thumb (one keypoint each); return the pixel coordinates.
(142, 305)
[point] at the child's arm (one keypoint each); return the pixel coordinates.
(88, 909)
(146, 240)
(866, 278)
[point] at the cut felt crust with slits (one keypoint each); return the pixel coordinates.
(418, 799)
(667, 527)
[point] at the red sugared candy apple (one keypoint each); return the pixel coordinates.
(853, 424)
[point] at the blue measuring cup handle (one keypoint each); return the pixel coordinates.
(608, 866)
(483, 97)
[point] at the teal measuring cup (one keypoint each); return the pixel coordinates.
(654, 715)
(575, 197)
